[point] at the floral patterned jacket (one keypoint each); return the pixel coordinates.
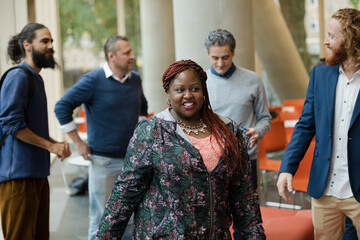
(173, 195)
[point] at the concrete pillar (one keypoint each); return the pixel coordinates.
(277, 51)
(120, 9)
(322, 28)
(13, 17)
(157, 39)
(47, 13)
(193, 20)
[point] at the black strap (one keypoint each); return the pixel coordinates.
(29, 77)
(30, 92)
(2, 140)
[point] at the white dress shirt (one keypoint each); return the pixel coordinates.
(109, 73)
(338, 184)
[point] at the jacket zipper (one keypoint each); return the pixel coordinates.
(211, 208)
(191, 150)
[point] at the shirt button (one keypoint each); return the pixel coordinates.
(339, 138)
(337, 156)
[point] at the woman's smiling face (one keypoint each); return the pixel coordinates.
(186, 96)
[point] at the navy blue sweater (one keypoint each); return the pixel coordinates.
(112, 110)
(19, 159)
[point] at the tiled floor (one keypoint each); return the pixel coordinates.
(68, 214)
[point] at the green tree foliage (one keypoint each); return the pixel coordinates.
(294, 13)
(132, 25)
(355, 3)
(97, 18)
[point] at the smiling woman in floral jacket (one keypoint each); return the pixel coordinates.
(186, 173)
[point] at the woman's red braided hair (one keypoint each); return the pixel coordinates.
(221, 132)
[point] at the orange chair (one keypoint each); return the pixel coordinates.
(288, 132)
(266, 164)
(275, 139)
(287, 224)
(292, 109)
(301, 177)
(290, 114)
(294, 102)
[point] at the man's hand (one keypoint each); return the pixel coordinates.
(83, 149)
(285, 180)
(253, 136)
(61, 149)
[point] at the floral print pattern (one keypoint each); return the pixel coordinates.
(173, 195)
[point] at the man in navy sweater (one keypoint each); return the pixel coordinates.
(25, 158)
(114, 101)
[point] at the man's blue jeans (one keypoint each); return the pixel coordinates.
(350, 231)
(103, 171)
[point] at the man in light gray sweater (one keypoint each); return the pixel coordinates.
(235, 92)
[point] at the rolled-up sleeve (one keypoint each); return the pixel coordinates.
(13, 101)
(80, 93)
